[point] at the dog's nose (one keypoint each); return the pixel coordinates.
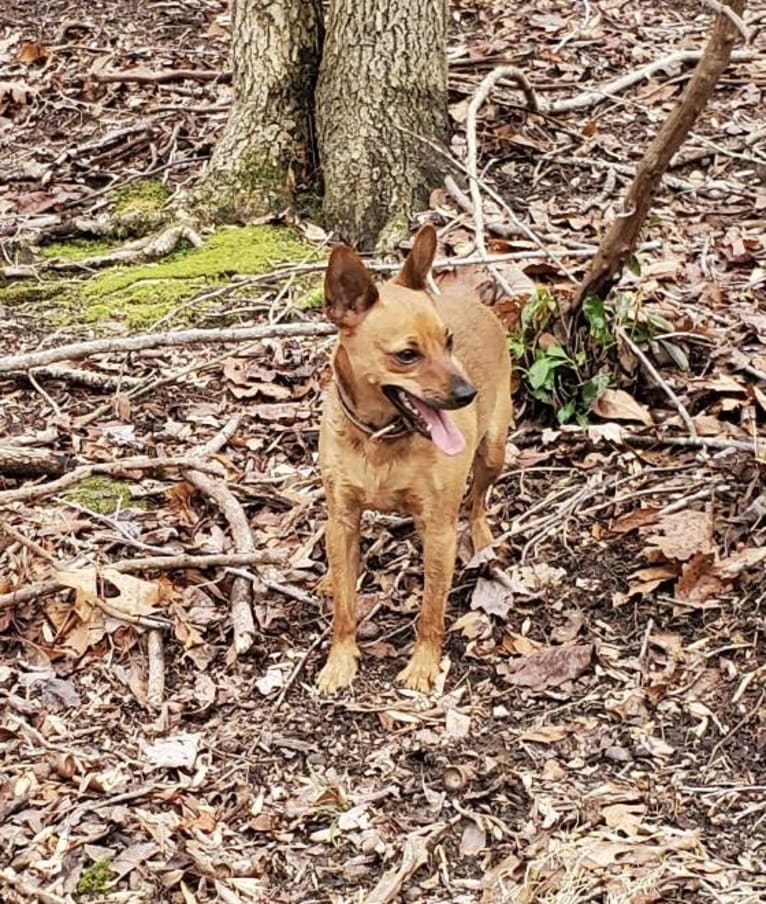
(463, 393)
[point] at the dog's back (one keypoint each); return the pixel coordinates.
(481, 347)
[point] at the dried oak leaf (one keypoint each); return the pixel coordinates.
(618, 405)
(492, 597)
(683, 534)
(640, 517)
(548, 668)
(696, 583)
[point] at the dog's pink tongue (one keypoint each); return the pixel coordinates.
(444, 433)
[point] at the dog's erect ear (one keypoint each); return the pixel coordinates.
(418, 264)
(349, 291)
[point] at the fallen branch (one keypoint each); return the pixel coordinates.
(621, 238)
(77, 350)
(17, 461)
(147, 563)
(39, 491)
(149, 248)
(242, 621)
(93, 379)
(161, 77)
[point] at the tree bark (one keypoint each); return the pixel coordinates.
(267, 142)
(382, 88)
(622, 236)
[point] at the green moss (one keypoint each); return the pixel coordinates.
(311, 296)
(146, 196)
(137, 296)
(26, 291)
(141, 294)
(96, 879)
(396, 230)
(102, 495)
(77, 249)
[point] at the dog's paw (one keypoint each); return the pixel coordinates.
(339, 670)
(422, 670)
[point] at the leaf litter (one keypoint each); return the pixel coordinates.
(600, 730)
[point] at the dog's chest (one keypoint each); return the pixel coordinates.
(385, 486)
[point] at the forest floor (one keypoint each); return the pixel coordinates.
(600, 732)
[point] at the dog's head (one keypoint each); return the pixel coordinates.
(393, 343)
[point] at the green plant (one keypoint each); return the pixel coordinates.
(570, 378)
(96, 879)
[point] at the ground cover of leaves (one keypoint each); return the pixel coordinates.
(600, 733)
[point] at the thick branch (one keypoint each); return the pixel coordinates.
(622, 237)
(155, 340)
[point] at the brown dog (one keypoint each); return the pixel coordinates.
(402, 361)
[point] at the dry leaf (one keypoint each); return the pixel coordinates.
(173, 752)
(625, 817)
(492, 597)
(546, 734)
(618, 405)
(549, 668)
(473, 840)
(640, 517)
(683, 534)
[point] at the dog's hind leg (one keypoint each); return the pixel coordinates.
(487, 465)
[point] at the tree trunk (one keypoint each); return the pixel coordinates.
(382, 89)
(266, 145)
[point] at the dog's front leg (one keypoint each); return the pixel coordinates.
(439, 535)
(342, 537)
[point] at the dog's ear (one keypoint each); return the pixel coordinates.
(349, 291)
(415, 271)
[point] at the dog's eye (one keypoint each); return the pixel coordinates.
(450, 341)
(407, 356)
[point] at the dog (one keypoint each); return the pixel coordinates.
(420, 396)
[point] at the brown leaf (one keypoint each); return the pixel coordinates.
(618, 405)
(31, 52)
(546, 734)
(571, 627)
(492, 597)
(682, 534)
(697, 583)
(640, 517)
(743, 560)
(473, 840)
(549, 668)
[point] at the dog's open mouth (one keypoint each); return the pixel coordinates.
(432, 423)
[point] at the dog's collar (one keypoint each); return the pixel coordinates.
(396, 429)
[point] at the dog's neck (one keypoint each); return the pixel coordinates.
(363, 407)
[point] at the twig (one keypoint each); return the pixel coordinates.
(482, 92)
(187, 560)
(75, 350)
(621, 237)
(661, 382)
(155, 682)
(243, 624)
(693, 442)
(51, 403)
(30, 544)
(743, 721)
(595, 96)
(725, 10)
